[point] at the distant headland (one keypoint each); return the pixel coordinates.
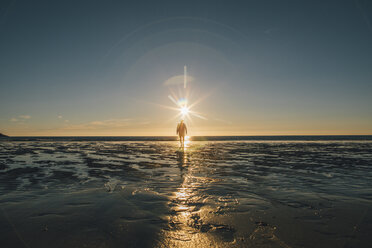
(3, 135)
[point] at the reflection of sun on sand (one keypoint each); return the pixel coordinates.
(187, 141)
(183, 225)
(186, 223)
(205, 211)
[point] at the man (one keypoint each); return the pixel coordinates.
(181, 131)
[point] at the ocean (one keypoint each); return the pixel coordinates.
(232, 191)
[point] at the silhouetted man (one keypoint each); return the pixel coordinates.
(181, 131)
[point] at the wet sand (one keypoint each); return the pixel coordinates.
(210, 194)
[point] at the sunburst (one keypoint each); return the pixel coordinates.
(185, 109)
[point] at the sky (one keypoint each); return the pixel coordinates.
(97, 68)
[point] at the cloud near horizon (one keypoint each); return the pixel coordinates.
(111, 124)
(20, 118)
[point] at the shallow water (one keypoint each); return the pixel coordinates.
(216, 193)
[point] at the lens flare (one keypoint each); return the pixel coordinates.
(184, 107)
(182, 102)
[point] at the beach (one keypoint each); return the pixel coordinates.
(240, 193)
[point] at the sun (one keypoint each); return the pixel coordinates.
(184, 107)
(184, 110)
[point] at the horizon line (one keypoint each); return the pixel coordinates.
(244, 135)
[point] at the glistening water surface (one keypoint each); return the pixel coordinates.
(58, 193)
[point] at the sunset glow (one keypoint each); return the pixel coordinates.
(261, 75)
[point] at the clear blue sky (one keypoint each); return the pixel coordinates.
(261, 67)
